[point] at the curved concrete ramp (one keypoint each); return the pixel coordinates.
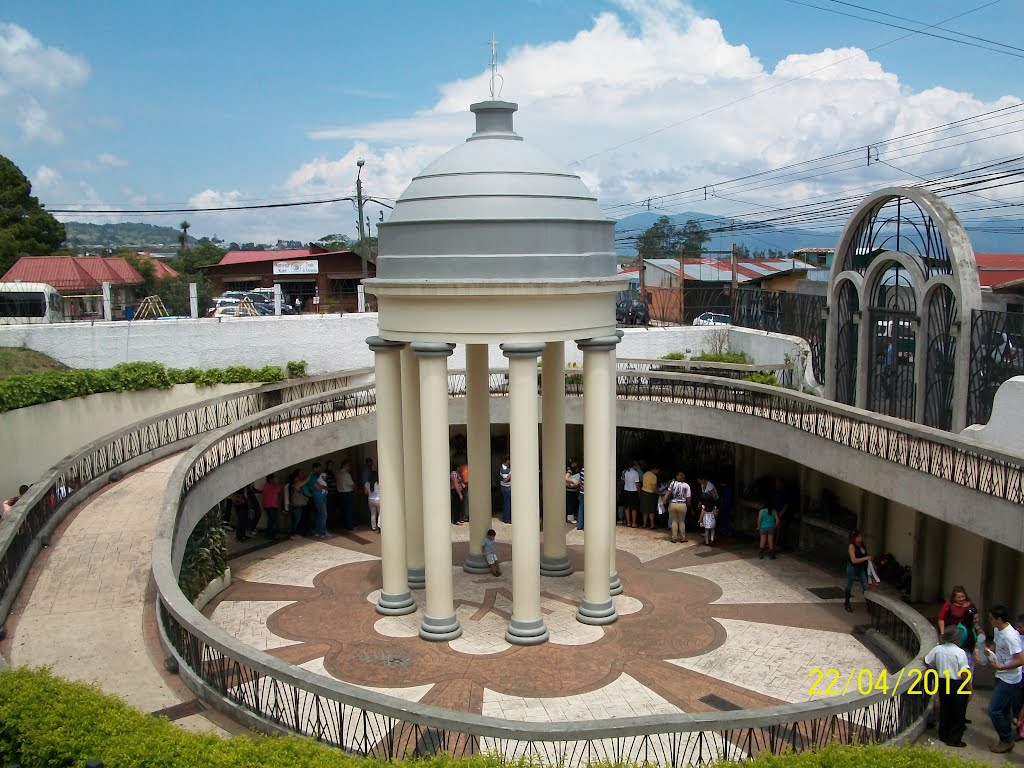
(84, 611)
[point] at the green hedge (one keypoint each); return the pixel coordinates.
(37, 388)
(46, 721)
(762, 377)
(722, 357)
(206, 555)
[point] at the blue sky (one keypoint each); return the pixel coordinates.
(116, 104)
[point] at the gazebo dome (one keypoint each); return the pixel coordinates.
(496, 242)
(495, 196)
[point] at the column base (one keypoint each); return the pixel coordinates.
(440, 629)
(475, 563)
(597, 613)
(532, 632)
(555, 566)
(395, 605)
(615, 584)
(417, 578)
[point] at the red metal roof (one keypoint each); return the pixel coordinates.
(73, 273)
(996, 268)
(252, 257)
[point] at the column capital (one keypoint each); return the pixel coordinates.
(378, 344)
(522, 350)
(598, 343)
(432, 349)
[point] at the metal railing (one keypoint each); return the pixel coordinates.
(274, 696)
(26, 530)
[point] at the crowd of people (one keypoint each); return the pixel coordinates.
(964, 648)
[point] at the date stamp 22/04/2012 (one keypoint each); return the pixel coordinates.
(827, 682)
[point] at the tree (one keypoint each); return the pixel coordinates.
(183, 237)
(201, 255)
(26, 228)
(173, 291)
(692, 239)
(661, 240)
(336, 242)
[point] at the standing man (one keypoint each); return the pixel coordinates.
(631, 493)
(270, 497)
(505, 481)
(579, 506)
(949, 660)
(677, 499)
(1006, 661)
(780, 506)
(333, 501)
(649, 497)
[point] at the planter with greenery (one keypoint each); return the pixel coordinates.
(38, 388)
(206, 556)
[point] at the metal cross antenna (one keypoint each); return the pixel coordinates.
(494, 65)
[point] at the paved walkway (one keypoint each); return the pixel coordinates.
(700, 629)
(87, 609)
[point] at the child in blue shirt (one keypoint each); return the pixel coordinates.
(767, 520)
(491, 553)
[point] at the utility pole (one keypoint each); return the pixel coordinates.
(359, 205)
(682, 287)
(735, 284)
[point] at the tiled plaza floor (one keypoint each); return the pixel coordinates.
(700, 629)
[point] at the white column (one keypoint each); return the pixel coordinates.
(478, 454)
(395, 598)
(614, 582)
(413, 469)
(554, 560)
(439, 621)
(527, 625)
(598, 364)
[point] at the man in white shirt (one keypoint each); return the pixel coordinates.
(631, 493)
(950, 663)
(1006, 661)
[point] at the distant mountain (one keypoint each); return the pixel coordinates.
(987, 236)
(126, 235)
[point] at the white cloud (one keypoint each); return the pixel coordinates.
(46, 179)
(707, 110)
(32, 78)
(35, 124)
(109, 160)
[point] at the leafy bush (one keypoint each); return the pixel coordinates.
(206, 555)
(673, 356)
(722, 357)
(48, 721)
(296, 369)
(36, 388)
(762, 378)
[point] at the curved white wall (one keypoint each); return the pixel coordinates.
(37, 437)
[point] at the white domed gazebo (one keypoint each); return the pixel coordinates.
(493, 243)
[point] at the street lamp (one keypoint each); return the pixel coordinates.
(359, 206)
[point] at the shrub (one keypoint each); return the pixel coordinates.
(37, 388)
(722, 357)
(762, 378)
(206, 555)
(296, 368)
(45, 720)
(673, 356)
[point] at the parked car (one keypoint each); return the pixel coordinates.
(632, 312)
(712, 318)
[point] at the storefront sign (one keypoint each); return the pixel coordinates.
(305, 267)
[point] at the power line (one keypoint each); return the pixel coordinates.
(909, 29)
(157, 211)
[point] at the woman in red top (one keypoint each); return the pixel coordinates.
(957, 610)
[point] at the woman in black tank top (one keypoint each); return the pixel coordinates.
(857, 559)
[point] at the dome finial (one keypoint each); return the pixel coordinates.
(495, 77)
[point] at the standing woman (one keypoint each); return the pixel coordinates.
(346, 495)
(958, 610)
(857, 559)
(372, 490)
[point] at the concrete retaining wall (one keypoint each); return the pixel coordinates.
(326, 342)
(37, 437)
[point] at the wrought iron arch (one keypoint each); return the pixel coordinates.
(941, 317)
(892, 341)
(847, 316)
